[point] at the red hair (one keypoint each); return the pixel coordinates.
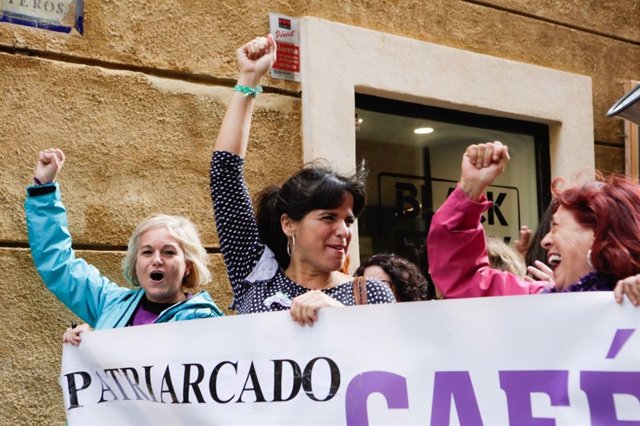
(611, 208)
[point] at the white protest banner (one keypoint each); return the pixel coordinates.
(572, 359)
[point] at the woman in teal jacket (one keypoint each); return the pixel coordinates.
(165, 259)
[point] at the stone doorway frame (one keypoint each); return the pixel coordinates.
(338, 60)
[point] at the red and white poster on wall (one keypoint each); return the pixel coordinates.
(286, 31)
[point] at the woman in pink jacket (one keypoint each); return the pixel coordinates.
(593, 243)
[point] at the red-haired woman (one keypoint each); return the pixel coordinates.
(594, 241)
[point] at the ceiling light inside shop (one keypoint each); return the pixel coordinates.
(423, 130)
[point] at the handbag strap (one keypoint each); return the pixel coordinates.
(360, 290)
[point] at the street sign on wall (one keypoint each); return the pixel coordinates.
(53, 15)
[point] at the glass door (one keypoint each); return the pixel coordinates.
(413, 153)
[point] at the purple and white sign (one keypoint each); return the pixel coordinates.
(562, 359)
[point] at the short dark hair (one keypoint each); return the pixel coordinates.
(410, 284)
(315, 186)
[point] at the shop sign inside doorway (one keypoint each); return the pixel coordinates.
(412, 200)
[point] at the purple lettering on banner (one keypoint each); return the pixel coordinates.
(600, 386)
(454, 385)
(518, 386)
(621, 337)
(392, 386)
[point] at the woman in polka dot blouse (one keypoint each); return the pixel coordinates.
(290, 255)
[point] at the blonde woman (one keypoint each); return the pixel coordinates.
(505, 258)
(165, 259)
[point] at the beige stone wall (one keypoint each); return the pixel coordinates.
(137, 100)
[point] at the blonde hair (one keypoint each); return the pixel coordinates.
(504, 257)
(184, 231)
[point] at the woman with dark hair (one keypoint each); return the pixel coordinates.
(313, 187)
(290, 256)
(592, 243)
(529, 246)
(403, 277)
(535, 252)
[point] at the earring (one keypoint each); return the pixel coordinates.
(291, 244)
(589, 259)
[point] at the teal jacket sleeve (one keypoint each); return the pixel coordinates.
(77, 284)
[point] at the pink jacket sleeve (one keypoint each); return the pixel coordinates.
(458, 261)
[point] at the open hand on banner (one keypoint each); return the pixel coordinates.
(629, 286)
(305, 307)
(72, 335)
(49, 164)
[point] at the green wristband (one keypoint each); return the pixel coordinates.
(248, 91)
